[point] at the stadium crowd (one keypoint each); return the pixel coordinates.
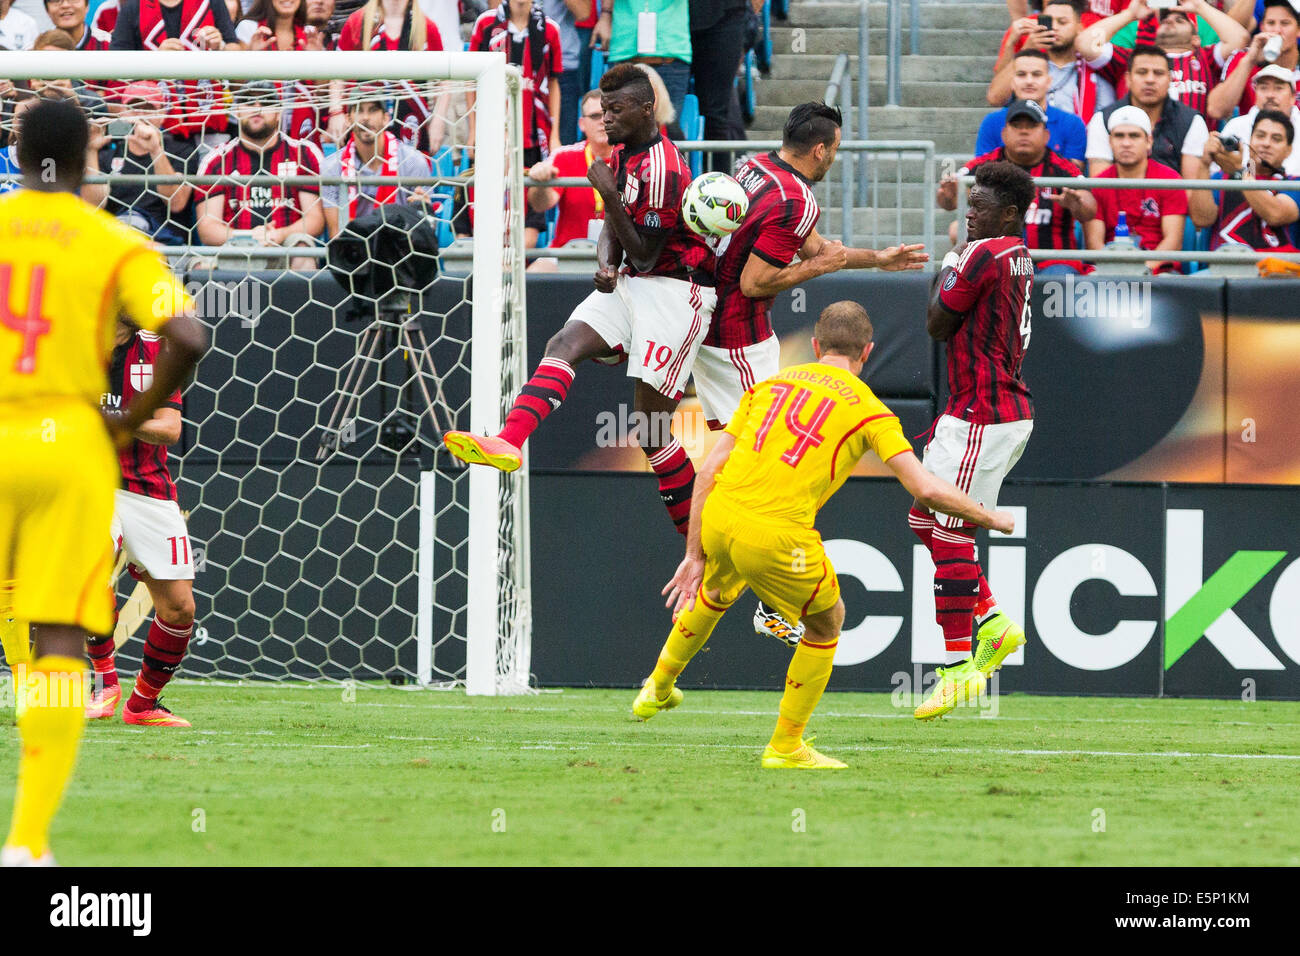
(336, 129)
(1145, 89)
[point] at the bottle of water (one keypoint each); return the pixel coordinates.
(1122, 238)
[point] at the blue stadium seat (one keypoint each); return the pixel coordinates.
(692, 124)
(443, 163)
(597, 67)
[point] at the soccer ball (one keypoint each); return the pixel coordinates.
(714, 205)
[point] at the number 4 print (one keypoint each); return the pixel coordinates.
(30, 324)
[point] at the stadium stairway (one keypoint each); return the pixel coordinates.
(942, 94)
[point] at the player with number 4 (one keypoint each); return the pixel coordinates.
(980, 307)
(149, 531)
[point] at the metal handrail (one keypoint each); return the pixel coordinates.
(894, 45)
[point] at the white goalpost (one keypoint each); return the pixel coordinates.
(334, 538)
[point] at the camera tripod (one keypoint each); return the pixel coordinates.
(393, 327)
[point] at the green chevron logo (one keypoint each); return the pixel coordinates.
(1225, 588)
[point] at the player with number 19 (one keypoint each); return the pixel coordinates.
(652, 306)
(980, 307)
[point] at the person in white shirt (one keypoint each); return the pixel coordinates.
(18, 31)
(1274, 90)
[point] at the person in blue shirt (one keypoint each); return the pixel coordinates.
(1030, 78)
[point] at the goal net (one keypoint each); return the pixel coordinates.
(351, 228)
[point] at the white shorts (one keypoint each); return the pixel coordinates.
(154, 536)
(975, 458)
(722, 376)
(657, 322)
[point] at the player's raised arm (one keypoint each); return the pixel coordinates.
(936, 494)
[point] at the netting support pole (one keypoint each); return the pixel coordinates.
(424, 571)
(485, 397)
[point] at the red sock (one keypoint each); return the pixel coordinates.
(922, 525)
(163, 650)
(956, 588)
(100, 650)
(543, 394)
(676, 482)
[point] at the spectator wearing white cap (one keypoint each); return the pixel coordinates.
(1030, 80)
(1155, 217)
(1273, 46)
(1274, 87)
(1178, 132)
(1258, 218)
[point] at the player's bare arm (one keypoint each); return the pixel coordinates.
(1090, 42)
(641, 249)
(184, 341)
(609, 256)
(936, 494)
(760, 279)
(164, 428)
(1223, 99)
(685, 583)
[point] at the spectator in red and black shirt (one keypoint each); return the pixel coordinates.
(270, 215)
(1050, 219)
(1194, 70)
(389, 25)
(531, 41)
(1258, 218)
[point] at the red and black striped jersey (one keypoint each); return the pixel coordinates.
(248, 206)
(539, 67)
(1048, 224)
(144, 465)
(782, 215)
(652, 180)
(1192, 75)
(990, 290)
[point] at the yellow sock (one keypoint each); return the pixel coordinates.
(51, 730)
(690, 632)
(810, 669)
(14, 635)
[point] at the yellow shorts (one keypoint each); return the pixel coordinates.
(56, 506)
(786, 566)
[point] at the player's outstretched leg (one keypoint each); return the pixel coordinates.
(106, 689)
(810, 670)
(16, 640)
(164, 647)
(690, 632)
(956, 590)
(51, 729)
(544, 393)
(667, 458)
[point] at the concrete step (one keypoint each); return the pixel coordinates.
(952, 129)
(915, 69)
(977, 14)
(939, 94)
(934, 41)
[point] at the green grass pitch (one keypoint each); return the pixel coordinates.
(300, 775)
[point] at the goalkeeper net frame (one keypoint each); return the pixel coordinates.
(440, 594)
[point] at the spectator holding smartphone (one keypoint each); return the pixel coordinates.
(134, 142)
(1155, 217)
(1258, 218)
(1274, 90)
(1074, 86)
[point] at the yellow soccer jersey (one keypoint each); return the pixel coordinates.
(798, 435)
(66, 270)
